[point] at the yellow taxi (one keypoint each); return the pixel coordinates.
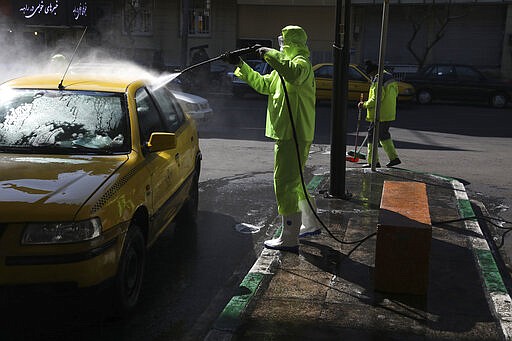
(92, 172)
(358, 82)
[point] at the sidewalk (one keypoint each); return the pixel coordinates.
(327, 291)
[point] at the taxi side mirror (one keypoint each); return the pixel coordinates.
(161, 141)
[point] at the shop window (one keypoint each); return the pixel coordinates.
(138, 17)
(199, 17)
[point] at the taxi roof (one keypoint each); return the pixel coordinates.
(73, 81)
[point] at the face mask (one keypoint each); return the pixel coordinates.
(280, 41)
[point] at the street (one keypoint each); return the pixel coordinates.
(192, 272)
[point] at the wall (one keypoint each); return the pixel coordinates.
(506, 58)
(473, 36)
(266, 22)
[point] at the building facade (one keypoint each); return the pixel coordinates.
(169, 33)
(467, 32)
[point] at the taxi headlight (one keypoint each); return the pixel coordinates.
(60, 233)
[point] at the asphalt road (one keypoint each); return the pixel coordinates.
(192, 272)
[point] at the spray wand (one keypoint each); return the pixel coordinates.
(235, 53)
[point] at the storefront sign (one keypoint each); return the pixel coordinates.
(52, 12)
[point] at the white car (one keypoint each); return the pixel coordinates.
(239, 87)
(195, 106)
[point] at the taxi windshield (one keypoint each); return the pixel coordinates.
(62, 122)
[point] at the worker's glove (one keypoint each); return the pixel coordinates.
(262, 51)
(231, 58)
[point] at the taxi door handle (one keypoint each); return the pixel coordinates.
(177, 156)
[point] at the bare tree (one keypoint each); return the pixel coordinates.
(440, 16)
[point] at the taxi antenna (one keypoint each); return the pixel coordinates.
(61, 87)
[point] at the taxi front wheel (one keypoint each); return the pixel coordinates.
(131, 271)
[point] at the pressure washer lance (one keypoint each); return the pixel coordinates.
(235, 53)
(355, 158)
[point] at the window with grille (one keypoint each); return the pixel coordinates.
(138, 17)
(199, 17)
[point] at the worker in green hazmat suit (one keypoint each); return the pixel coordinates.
(387, 114)
(292, 63)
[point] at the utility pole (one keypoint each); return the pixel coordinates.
(380, 72)
(339, 100)
(184, 32)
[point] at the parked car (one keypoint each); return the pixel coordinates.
(461, 83)
(239, 87)
(358, 82)
(93, 169)
(196, 106)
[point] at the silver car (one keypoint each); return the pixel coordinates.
(195, 106)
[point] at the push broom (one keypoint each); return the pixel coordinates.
(355, 155)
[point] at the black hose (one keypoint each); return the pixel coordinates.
(489, 220)
(360, 241)
(188, 68)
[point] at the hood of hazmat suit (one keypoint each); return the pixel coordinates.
(293, 65)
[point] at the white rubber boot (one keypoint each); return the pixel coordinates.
(289, 238)
(310, 224)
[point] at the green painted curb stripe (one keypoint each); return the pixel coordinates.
(465, 209)
(230, 317)
(315, 181)
(493, 285)
(491, 274)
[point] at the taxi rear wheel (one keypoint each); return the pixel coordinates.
(131, 271)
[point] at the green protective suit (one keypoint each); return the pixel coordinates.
(388, 99)
(293, 64)
(387, 113)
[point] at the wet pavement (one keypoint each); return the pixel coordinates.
(327, 291)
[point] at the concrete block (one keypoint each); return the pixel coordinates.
(404, 234)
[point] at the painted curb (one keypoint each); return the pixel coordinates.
(494, 287)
